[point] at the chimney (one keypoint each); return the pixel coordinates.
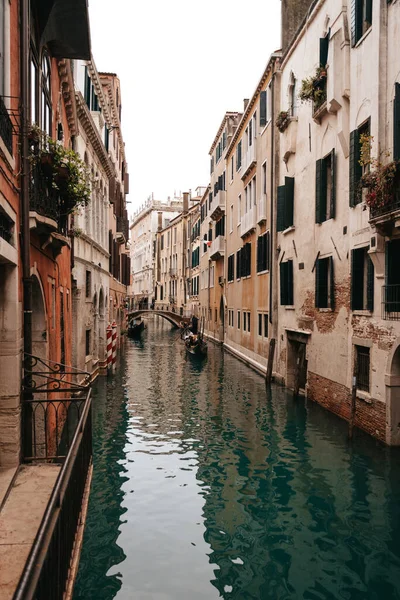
(185, 202)
(292, 13)
(245, 103)
(159, 221)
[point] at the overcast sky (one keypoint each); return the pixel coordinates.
(182, 65)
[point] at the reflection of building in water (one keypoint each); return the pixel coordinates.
(100, 549)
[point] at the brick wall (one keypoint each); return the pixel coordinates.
(337, 398)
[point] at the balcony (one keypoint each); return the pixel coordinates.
(262, 209)
(47, 215)
(384, 215)
(249, 160)
(391, 302)
(217, 248)
(218, 205)
(6, 127)
(122, 229)
(248, 221)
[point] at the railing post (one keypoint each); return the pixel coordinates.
(109, 347)
(114, 345)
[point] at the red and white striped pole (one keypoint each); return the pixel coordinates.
(109, 347)
(114, 344)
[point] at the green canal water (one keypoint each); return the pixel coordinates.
(206, 485)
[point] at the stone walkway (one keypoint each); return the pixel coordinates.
(20, 517)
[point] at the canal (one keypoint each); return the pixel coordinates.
(206, 485)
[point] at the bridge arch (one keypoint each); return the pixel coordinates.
(172, 317)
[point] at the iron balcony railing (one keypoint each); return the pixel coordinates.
(57, 409)
(391, 302)
(6, 126)
(389, 208)
(44, 199)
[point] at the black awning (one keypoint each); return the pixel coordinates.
(64, 26)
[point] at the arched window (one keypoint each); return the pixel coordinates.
(46, 95)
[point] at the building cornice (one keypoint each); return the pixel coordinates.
(221, 128)
(94, 76)
(115, 122)
(67, 90)
(266, 74)
(93, 134)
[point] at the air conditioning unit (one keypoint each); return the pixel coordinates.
(221, 280)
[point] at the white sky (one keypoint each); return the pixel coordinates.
(182, 65)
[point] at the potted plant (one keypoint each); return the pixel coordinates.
(282, 120)
(377, 185)
(314, 88)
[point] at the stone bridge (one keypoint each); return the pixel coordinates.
(170, 316)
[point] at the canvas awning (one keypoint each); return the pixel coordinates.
(64, 28)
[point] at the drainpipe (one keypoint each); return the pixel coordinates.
(25, 174)
(272, 196)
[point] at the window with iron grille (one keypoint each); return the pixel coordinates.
(324, 283)
(362, 280)
(362, 368)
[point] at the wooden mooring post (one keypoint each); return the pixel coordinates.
(271, 353)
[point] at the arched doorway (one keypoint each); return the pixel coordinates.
(393, 399)
(39, 321)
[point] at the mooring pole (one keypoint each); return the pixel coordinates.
(271, 353)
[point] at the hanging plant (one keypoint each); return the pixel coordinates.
(282, 120)
(64, 169)
(314, 88)
(381, 180)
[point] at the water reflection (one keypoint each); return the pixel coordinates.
(231, 490)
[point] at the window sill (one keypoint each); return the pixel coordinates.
(288, 230)
(364, 396)
(362, 313)
(324, 310)
(263, 272)
(289, 307)
(362, 38)
(265, 127)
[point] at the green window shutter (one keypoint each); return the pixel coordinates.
(356, 21)
(323, 51)
(396, 122)
(332, 207)
(283, 282)
(368, 11)
(357, 279)
(355, 167)
(318, 191)
(321, 282)
(259, 243)
(290, 282)
(267, 250)
(370, 284)
(317, 284)
(263, 108)
(248, 259)
(289, 201)
(332, 283)
(280, 216)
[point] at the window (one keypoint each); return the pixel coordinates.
(361, 19)
(232, 161)
(212, 165)
(239, 209)
(292, 93)
(231, 219)
(238, 319)
(264, 178)
(239, 155)
(87, 342)
(220, 227)
(46, 96)
(34, 88)
(88, 286)
(263, 252)
(324, 283)
(391, 289)
(362, 368)
(263, 325)
(212, 275)
(325, 188)
(285, 207)
(263, 108)
(243, 261)
(269, 103)
(162, 242)
(356, 170)
(286, 283)
(231, 267)
(362, 280)
(244, 320)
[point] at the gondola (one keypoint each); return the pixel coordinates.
(135, 327)
(194, 342)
